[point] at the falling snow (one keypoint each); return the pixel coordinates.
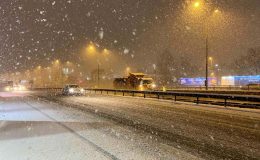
(142, 34)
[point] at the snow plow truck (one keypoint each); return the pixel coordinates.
(135, 81)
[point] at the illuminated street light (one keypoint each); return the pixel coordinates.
(68, 63)
(196, 4)
(216, 11)
(106, 51)
(128, 69)
(57, 61)
(91, 48)
(211, 61)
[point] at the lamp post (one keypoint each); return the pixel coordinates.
(207, 68)
(127, 70)
(98, 78)
(196, 6)
(91, 49)
(211, 62)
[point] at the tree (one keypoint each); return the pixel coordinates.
(165, 67)
(248, 64)
(170, 68)
(187, 68)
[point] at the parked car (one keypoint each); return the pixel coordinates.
(73, 89)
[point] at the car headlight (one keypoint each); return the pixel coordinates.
(82, 90)
(21, 88)
(71, 90)
(7, 88)
(153, 85)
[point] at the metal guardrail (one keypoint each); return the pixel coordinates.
(175, 95)
(218, 88)
(253, 101)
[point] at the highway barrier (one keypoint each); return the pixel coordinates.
(251, 87)
(248, 101)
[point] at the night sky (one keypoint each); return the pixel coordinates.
(34, 32)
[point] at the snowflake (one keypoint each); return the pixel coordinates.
(126, 51)
(101, 34)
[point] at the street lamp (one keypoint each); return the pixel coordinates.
(196, 5)
(57, 71)
(216, 11)
(38, 75)
(106, 51)
(91, 48)
(128, 69)
(211, 61)
(94, 50)
(56, 62)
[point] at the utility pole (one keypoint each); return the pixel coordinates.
(206, 23)
(98, 75)
(207, 69)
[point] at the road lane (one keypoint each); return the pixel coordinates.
(215, 131)
(35, 129)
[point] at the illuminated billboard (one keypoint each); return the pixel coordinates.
(227, 80)
(198, 81)
(240, 80)
(245, 80)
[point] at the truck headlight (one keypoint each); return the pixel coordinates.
(141, 87)
(153, 85)
(71, 90)
(7, 88)
(22, 88)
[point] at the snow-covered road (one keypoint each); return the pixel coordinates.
(213, 132)
(32, 129)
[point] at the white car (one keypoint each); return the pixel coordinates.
(15, 88)
(73, 89)
(19, 88)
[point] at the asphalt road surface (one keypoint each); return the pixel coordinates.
(212, 132)
(33, 129)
